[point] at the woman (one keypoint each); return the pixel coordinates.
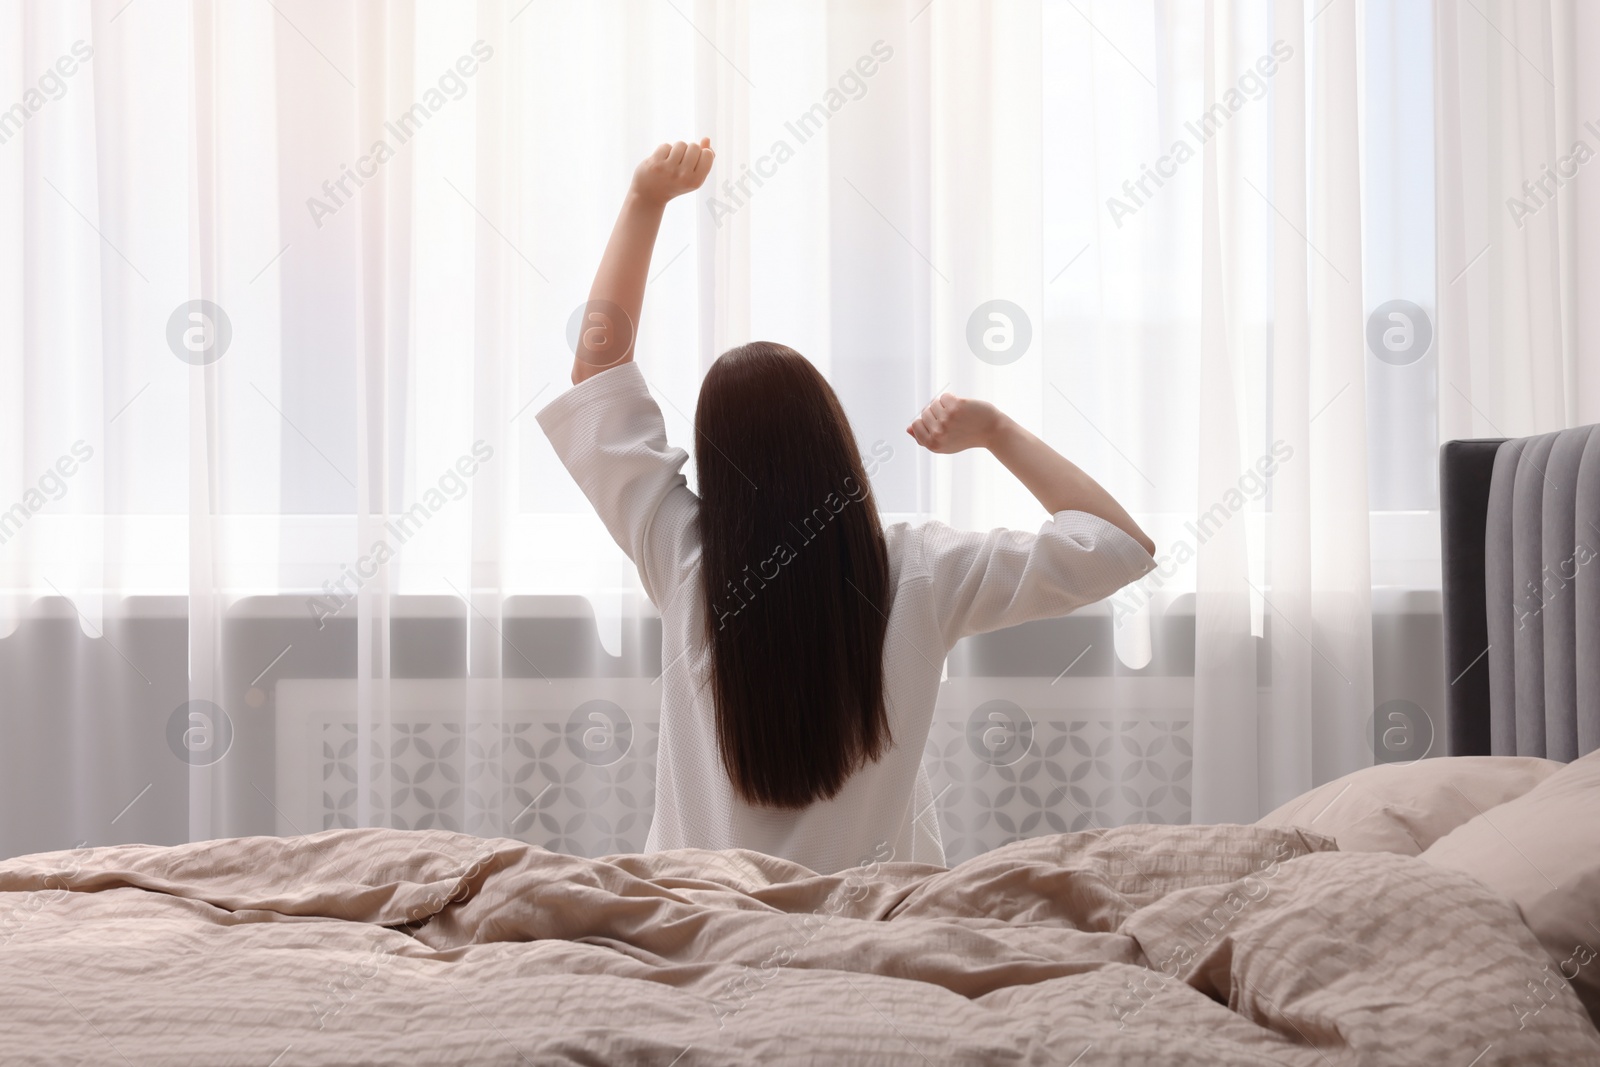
(803, 641)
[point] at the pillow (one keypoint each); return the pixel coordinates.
(1543, 851)
(1404, 808)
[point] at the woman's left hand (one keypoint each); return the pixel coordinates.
(673, 169)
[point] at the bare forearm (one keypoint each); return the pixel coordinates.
(1056, 481)
(611, 320)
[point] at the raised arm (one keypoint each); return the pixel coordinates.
(611, 319)
(955, 424)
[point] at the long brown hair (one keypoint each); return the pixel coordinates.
(795, 579)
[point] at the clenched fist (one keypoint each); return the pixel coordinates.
(672, 170)
(955, 424)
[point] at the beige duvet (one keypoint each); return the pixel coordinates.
(1141, 945)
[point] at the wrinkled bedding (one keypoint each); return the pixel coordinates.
(1139, 945)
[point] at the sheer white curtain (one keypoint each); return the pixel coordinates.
(283, 283)
(1518, 130)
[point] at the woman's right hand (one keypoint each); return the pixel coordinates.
(954, 424)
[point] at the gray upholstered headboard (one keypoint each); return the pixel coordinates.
(1521, 557)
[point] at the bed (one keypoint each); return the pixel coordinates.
(1521, 574)
(1174, 945)
(1386, 918)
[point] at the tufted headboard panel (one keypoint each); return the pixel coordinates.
(1521, 566)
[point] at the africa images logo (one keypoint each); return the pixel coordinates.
(999, 732)
(451, 85)
(199, 332)
(199, 733)
(1250, 86)
(599, 733)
